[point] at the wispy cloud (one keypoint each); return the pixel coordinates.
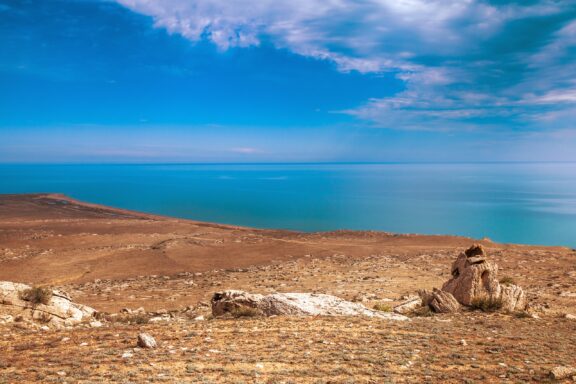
(464, 63)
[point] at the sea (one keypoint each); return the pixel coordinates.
(529, 203)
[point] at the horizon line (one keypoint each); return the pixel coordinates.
(290, 163)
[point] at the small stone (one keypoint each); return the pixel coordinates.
(146, 341)
(95, 324)
(570, 316)
(463, 342)
(127, 355)
(199, 318)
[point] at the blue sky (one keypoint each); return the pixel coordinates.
(287, 80)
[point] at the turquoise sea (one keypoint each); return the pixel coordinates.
(533, 203)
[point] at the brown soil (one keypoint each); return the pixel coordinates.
(110, 258)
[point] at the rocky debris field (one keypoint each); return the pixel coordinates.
(476, 348)
(188, 344)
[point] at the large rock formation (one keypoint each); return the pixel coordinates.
(475, 278)
(41, 306)
(293, 304)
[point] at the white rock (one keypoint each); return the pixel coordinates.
(5, 319)
(570, 316)
(58, 311)
(562, 372)
(295, 304)
(146, 341)
(408, 306)
(95, 324)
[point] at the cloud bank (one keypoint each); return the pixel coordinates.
(466, 64)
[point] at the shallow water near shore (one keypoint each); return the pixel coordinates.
(531, 203)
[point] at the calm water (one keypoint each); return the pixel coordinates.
(520, 203)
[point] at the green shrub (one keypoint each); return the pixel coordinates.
(507, 280)
(486, 304)
(382, 307)
(37, 295)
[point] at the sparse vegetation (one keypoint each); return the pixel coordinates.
(522, 315)
(45, 317)
(507, 280)
(245, 312)
(423, 311)
(382, 307)
(486, 304)
(37, 295)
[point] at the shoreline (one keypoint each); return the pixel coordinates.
(158, 217)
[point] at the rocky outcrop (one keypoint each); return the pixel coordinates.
(293, 304)
(56, 308)
(474, 277)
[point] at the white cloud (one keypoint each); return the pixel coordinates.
(356, 35)
(441, 49)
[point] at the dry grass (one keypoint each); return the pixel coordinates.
(37, 295)
(507, 280)
(296, 350)
(245, 312)
(486, 304)
(382, 307)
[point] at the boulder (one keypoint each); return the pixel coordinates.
(562, 372)
(56, 308)
(293, 304)
(513, 297)
(472, 276)
(475, 277)
(443, 302)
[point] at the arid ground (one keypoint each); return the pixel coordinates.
(112, 259)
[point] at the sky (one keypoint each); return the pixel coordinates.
(99, 81)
